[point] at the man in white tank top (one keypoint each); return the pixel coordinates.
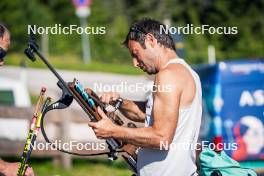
(172, 118)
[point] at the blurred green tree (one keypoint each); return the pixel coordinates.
(117, 15)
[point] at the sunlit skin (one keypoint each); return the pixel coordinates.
(152, 59)
(10, 169)
(4, 43)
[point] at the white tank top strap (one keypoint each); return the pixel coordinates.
(194, 74)
(174, 61)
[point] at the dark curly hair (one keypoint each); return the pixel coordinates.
(140, 28)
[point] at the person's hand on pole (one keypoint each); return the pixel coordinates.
(10, 169)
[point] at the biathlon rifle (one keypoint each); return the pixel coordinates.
(89, 101)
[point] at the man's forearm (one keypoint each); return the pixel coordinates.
(143, 137)
(130, 110)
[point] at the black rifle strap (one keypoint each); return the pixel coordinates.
(62, 103)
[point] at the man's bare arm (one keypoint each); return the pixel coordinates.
(133, 110)
(165, 114)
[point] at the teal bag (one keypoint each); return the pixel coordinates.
(220, 164)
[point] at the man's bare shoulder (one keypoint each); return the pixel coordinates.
(175, 74)
(181, 80)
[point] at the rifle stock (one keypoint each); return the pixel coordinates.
(130, 155)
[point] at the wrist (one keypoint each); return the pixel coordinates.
(115, 131)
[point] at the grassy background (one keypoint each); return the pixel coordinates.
(90, 167)
(69, 62)
(81, 167)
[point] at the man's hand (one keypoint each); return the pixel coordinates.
(131, 110)
(109, 97)
(10, 169)
(104, 128)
